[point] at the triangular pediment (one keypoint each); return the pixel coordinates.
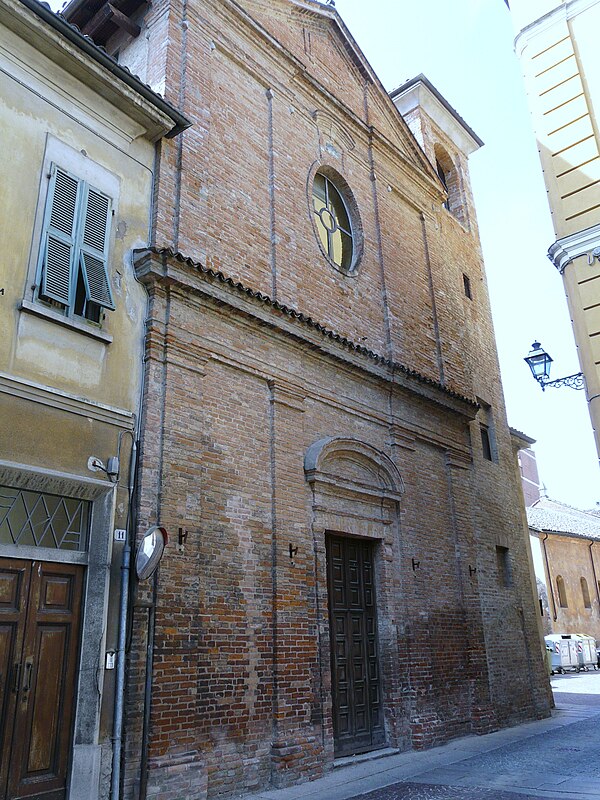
(315, 35)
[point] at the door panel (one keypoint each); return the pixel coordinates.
(38, 735)
(14, 591)
(358, 724)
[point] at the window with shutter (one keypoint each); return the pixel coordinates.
(73, 264)
(59, 236)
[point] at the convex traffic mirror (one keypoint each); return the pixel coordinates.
(150, 551)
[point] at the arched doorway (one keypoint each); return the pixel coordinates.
(356, 490)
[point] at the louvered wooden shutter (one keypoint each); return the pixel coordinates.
(59, 236)
(94, 248)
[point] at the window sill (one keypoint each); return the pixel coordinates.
(87, 329)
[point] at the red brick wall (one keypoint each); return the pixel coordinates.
(238, 390)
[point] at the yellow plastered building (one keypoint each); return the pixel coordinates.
(557, 44)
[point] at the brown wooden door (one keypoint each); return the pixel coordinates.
(40, 610)
(356, 685)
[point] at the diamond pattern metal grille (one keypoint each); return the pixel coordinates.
(38, 519)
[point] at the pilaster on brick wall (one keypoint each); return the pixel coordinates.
(459, 475)
(297, 747)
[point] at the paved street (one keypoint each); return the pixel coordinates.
(557, 758)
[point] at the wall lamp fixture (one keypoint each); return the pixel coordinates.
(539, 363)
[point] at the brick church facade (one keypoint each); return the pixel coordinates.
(325, 437)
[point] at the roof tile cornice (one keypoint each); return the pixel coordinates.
(145, 264)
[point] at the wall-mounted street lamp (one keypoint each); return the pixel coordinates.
(539, 362)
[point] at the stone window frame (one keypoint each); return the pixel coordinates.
(78, 164)
(342, 187)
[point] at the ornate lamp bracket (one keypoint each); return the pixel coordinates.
(572, 381)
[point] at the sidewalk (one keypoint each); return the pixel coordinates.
(557, 757)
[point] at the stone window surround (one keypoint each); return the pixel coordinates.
(78, 163)
(340, 183)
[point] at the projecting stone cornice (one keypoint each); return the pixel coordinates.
(581, 243)
(17, 386)
(559, 15)
(165, 267)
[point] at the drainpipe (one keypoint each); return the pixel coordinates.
(592, 543)
(554, 614)
(117, 737)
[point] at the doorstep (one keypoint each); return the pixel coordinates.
(372, 755)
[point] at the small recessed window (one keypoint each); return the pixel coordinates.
(442, 176)
(562, 592)
(486, 445)
(585, 593)
(503, 565)
(333, 223)
(485, 419)
(448, 171)
(467, 286)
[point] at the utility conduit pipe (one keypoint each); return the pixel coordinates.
(592, 543)
(117, 737)
(554, 613)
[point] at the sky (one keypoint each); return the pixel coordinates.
(465, 48)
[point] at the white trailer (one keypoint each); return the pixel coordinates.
(564, 651)
(586, 650)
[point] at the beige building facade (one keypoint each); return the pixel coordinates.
(557, 44)
(79, 139)
(566, 543)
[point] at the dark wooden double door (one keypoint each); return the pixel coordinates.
(40, 608)
(356, 685)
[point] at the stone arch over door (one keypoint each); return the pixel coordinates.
(356, 493)
(353, 463)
